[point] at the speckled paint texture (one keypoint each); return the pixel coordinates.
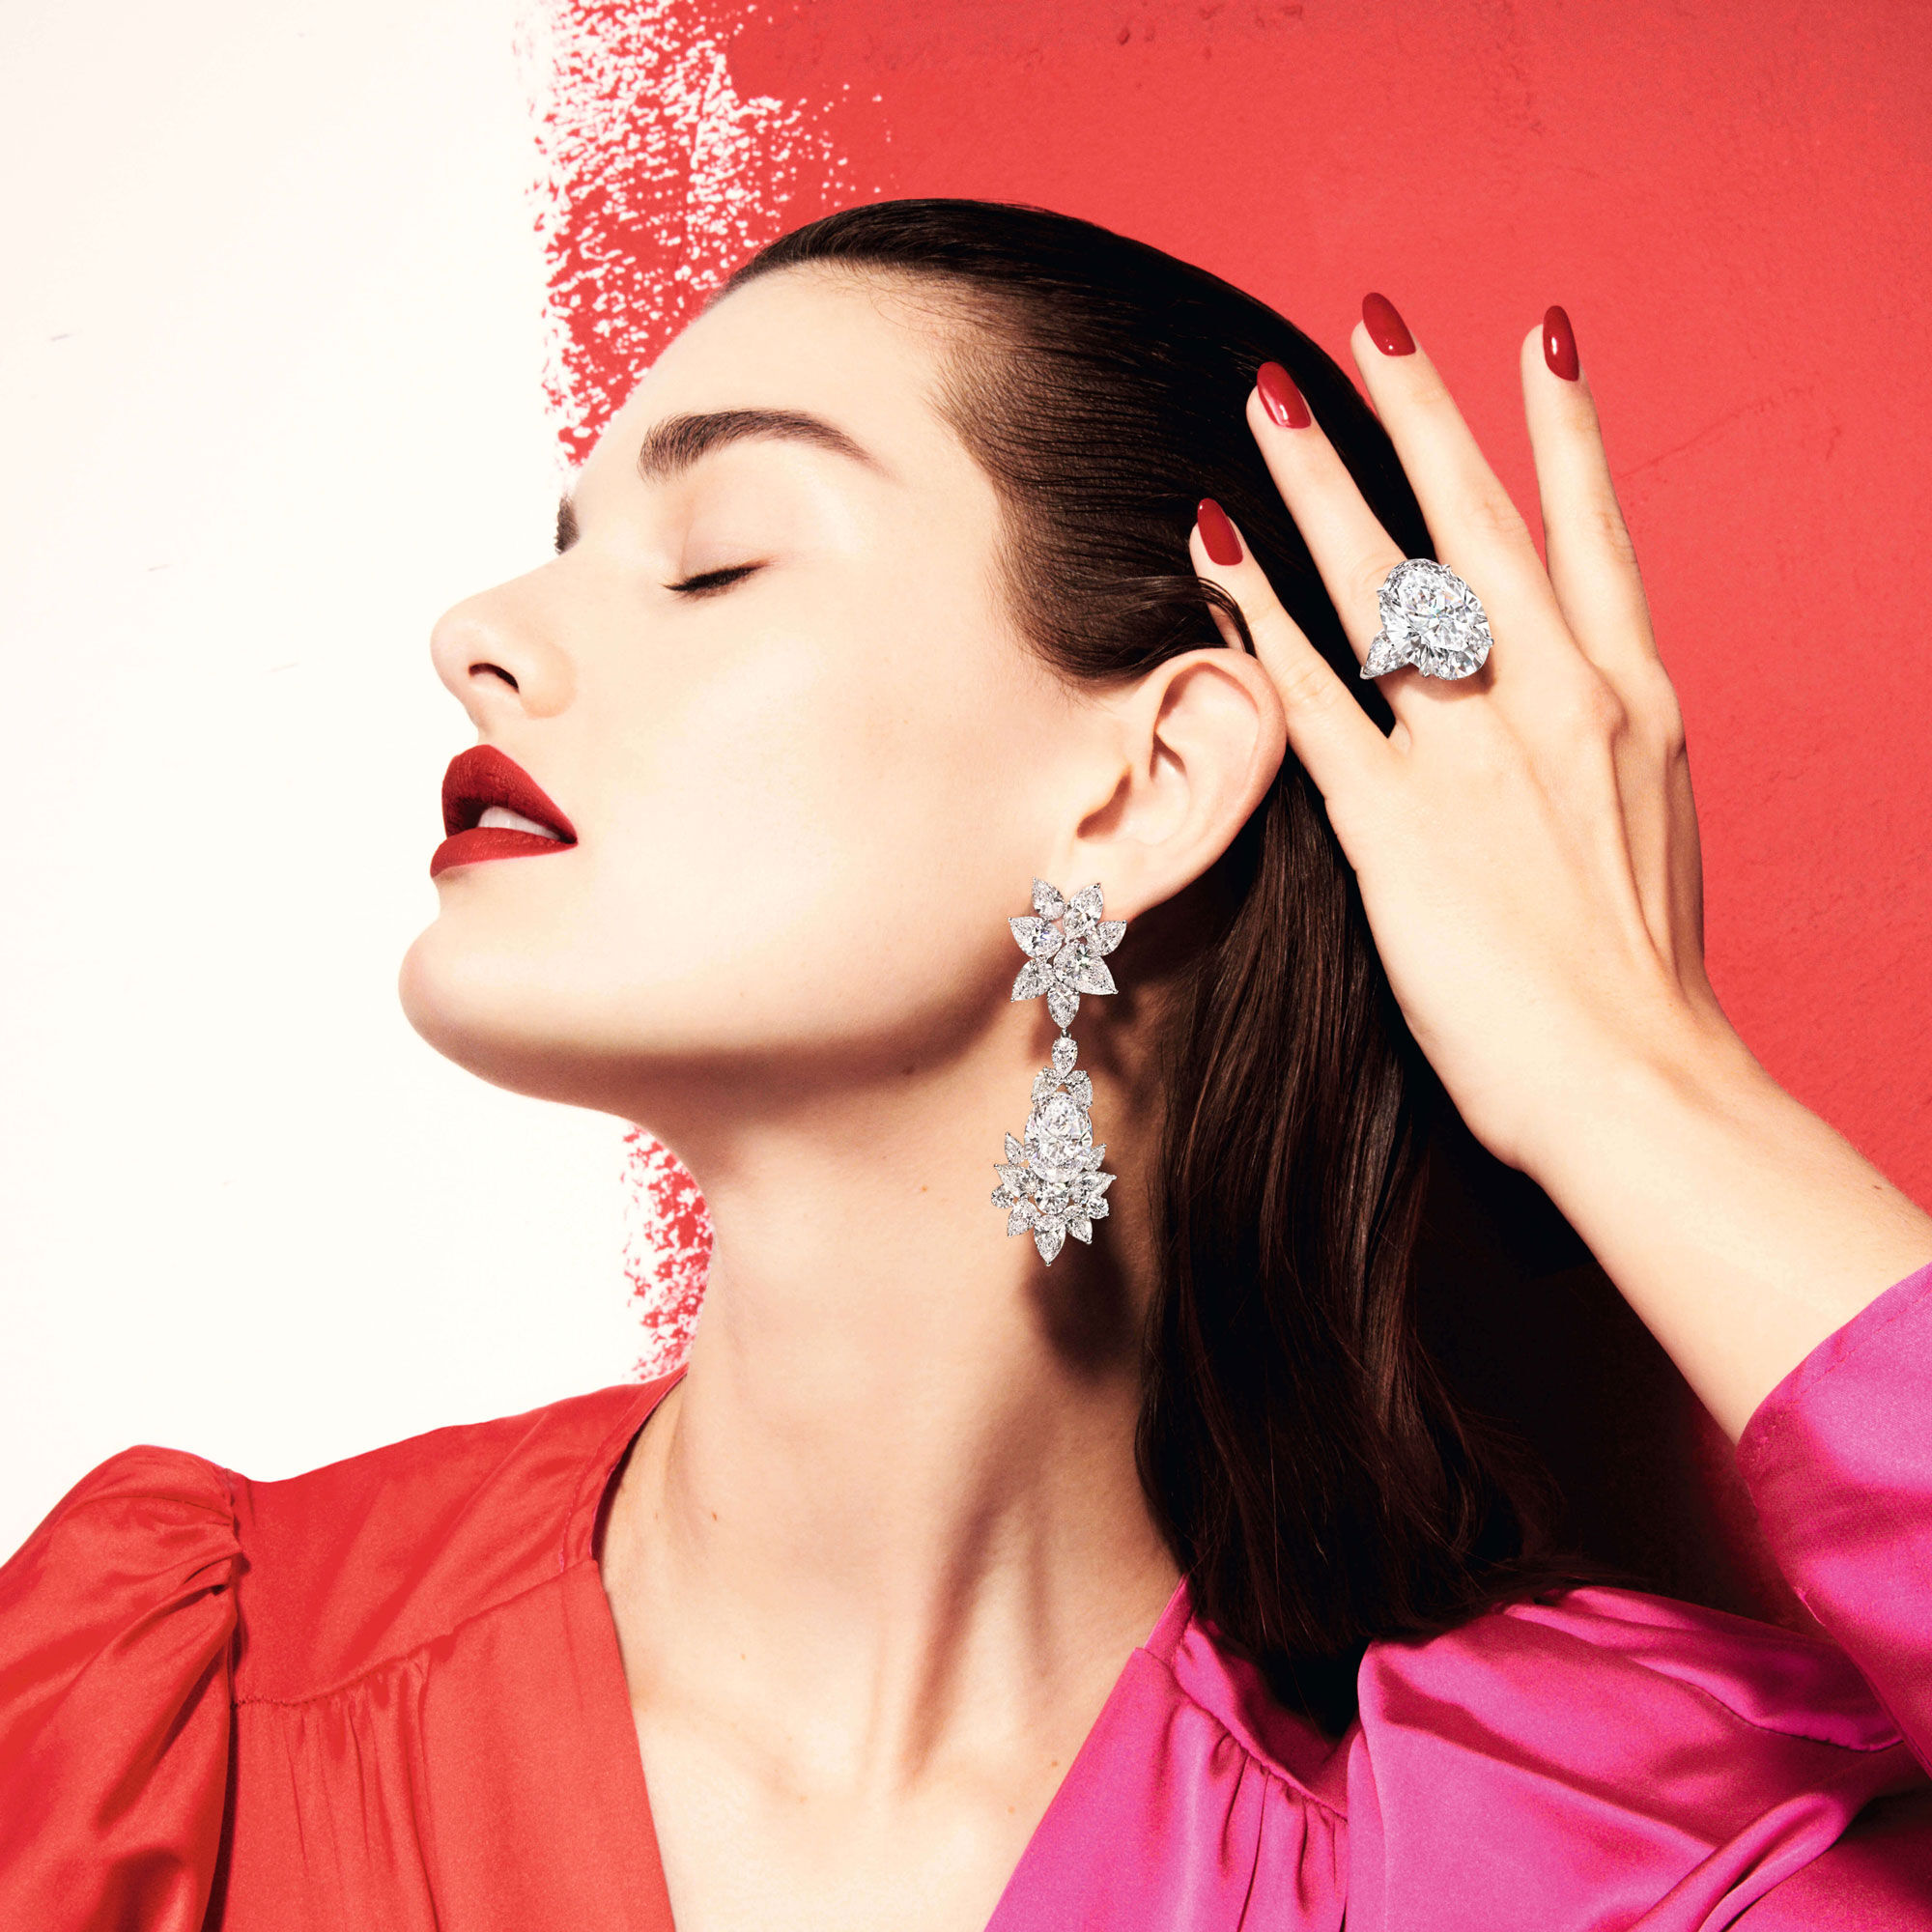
(660, 173)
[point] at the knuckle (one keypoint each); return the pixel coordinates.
(1604, 526)
(1426, 390)
(1306, 684)
(1495, 519)
(1590, 709)
(1655, 712)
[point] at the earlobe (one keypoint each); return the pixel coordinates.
(1204, 736)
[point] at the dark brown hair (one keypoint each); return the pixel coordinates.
(1310, 1469)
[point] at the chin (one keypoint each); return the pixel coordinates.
(483, 1013)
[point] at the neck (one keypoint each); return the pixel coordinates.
(901, 1458)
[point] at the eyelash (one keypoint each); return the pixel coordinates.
(709, 582)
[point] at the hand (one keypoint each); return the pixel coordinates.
(1524, 838)
(1527, 854)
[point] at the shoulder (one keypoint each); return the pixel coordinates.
(1633, 1663)
(355, 1563)
(117, 1624)
(147, 1528)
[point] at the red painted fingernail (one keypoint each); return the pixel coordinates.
(1280, 398)
(1386, 330)
(1217, 532)
(1559, 344)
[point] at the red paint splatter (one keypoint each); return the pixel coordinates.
(666, 1250)
(657, 177)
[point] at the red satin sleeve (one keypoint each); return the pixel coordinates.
(117, 1622)
(1839, 1459)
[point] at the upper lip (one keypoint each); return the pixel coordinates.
(482, 777)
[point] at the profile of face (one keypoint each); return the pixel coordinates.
(811, 764)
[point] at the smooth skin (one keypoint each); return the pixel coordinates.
(877, 1560)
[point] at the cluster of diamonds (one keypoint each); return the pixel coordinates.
(1050, 1181)
(1431, 619)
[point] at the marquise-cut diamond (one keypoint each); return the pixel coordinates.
(1431, 619)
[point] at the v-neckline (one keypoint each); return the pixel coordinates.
(583, 1541)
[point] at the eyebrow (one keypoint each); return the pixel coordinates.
(674, 445)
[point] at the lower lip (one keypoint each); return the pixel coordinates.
(490, 842)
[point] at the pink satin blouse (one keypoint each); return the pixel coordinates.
(385, 1696)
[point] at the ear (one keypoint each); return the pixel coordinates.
(1199, 739)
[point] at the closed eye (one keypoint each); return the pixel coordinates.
(707, 583)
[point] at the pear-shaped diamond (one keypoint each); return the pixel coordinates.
(1046, 900)
(1035, 978)
(1092, 976)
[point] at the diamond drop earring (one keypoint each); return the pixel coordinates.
(1051, 1181)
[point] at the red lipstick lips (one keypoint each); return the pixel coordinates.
(478, 778)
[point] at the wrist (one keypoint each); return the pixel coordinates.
(1638, 1089)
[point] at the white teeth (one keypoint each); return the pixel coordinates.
(515, 821)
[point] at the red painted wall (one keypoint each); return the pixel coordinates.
(1731, 201)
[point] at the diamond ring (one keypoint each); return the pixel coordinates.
(1431, 619)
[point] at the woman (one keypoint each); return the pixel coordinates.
(957, 557)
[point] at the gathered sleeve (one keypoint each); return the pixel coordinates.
(1838, 1460)
(117, 1627)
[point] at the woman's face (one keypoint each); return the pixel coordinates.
(805, 800)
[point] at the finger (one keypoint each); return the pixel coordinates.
(1335, 739)
(1352, 553)
(1479, 532)
(1350, 548)
(1592, 564)
(1593, 570)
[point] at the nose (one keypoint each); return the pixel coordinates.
(501, 654)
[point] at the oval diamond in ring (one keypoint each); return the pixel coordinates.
(1431, 619)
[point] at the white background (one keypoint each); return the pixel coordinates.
(271, 381)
